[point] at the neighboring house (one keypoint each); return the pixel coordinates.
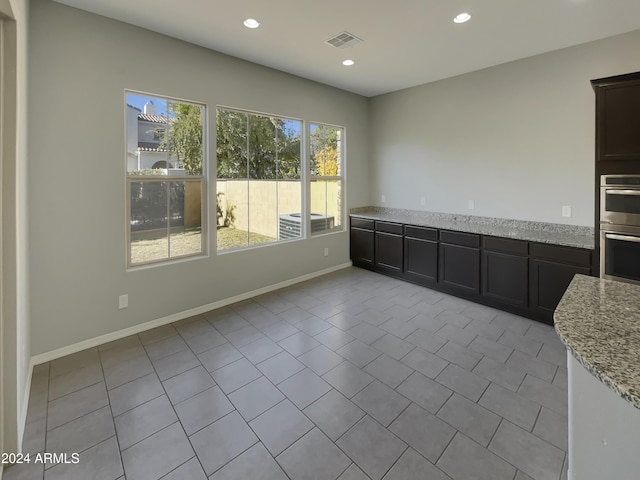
(146, 127)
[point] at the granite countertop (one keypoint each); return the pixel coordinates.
(599, 322)
(553, 233)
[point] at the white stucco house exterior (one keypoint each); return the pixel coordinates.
(143, 141)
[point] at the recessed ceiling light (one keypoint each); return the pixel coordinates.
(463, 17)
(251, 23)
(348, 63)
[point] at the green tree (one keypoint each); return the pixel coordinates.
(324, 150)
(183, 137)
(326, 161)
(256, 146)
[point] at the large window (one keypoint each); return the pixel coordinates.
(165, 178)
(259, 188)
(327, 183)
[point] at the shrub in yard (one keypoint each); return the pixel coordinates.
(230, 217)
(225, 216)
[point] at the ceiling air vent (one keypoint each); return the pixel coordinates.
(343, 40)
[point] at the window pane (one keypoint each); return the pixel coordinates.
(231, 144)
(165, 138)
(326, 193)
(262, 146)
(232, 214)
(263, 211)
(149, 240)
(289, 203)
(289, 149)
(183, 137)
(266, 151)
(326, 150)
(186, 218)
(289, 186)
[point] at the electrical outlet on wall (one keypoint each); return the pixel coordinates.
(123, 301)
(326, 251)
(383, 199)
(423, 201)
(566, 211)
(471, 204)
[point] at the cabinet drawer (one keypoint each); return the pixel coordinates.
(421, 233)
(580, 257)
(506, 245)
(387, 227)
(362, 223)
(458, 238)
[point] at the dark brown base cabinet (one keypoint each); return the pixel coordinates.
(551, 270)
(421, 255)
(362, 240)
(388, 247)
(525, 278)
(459, 262)
(505, 271)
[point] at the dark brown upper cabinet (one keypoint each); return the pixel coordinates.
(618, 117)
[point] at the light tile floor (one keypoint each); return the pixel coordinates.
(353, 375)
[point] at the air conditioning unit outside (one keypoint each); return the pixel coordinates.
(290, 225)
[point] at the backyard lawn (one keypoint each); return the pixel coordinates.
(148, 246)
(229, 237)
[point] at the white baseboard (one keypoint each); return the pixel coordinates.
(109, 337)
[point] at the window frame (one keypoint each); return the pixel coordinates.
(342, 178)
(202, 178)
(303, 181)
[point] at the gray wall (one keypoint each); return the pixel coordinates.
(80, 65)
(518, 139)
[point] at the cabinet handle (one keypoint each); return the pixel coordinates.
(623, 192)
(626, 238)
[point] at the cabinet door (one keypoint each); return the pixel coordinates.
(362, 247)
(618, 121)
(389, 252)
(421, 260)
(505, 278)
(548, 282)
(459, 268)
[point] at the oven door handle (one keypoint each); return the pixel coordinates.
(626, 238)
(622, 192)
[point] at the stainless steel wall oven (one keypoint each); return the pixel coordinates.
(620, 227)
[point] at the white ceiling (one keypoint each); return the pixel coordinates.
(406, 42)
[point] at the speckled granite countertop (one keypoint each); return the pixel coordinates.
(554, 233)
(599, 322)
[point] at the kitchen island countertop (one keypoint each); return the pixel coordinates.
(599, 322)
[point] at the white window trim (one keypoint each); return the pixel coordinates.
(304, 227)
(343, 178)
